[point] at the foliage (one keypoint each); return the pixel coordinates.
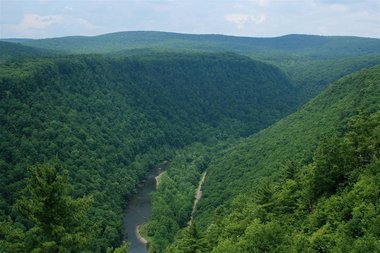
(191, 240)
(306, 45)
(174, 197)
(329, 205)
(312, 75)
(55, 222)
(311, 62)
(110, 120)
(237, 169)
(13, 51)
(292, 139)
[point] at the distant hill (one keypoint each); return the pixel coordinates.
(9, 50)
(318, 46)
(15, 40)
(312, 62)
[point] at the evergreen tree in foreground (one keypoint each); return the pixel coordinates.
(191, 241)
(54, 221)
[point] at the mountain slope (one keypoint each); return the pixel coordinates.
(312, 76)
(294, 138)
(9, 50)
(317, 46)
(248, 172)
(328, 205)
(109, 120)
(312, 62)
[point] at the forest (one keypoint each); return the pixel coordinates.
(302, 168)
(328, 205)
(109, 120)
(286, 128)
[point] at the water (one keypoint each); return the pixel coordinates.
(139, 210)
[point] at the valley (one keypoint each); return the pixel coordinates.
(138, 211)
(273, 143)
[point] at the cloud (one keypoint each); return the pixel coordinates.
(56, 18)
(68, 8)
(43, 1)
(338, 7)
(34, 25)
(261, 2)
(341, 2)
(34, 21)
(240, 20)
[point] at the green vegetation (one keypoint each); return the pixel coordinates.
(237, 169)
(51, 220)
(307, 45)
(174, 197)
(270, 193)
(110, 120)
(10, 50)
(311, 62)
(308, 182)
(311, 76)
(56, 221)
(329, 205)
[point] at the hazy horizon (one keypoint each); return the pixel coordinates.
(218, 34)
(250, 18)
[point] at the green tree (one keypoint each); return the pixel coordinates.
(55, 221)
(192, 241)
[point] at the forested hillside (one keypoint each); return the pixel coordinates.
(311, 62)
(84, 118)
(293, 138)
(107, 121)
(312, 75)
(10, 50)
(307, 183)
(310, 45)
(328, 205)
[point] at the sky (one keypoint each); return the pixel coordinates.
(254, 18)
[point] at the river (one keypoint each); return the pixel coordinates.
(139, 210)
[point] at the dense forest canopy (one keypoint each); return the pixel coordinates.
(294, 138)
(292, 187)
(311, 45)
(10, 50)
(109, 120)
(328, 205)
(311, 62)
(84, 118)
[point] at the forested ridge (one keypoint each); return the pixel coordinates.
(310, 45)
(307, 183)
(107, 120)
(311, 62)
(328, 205)
(293, 138)
(10, 50)
(84, 118)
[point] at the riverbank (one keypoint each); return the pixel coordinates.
(138, 211)
(142, 229)
(158, 178)
(139, 229)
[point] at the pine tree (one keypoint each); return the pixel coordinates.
(55, 221)
(192, 241)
